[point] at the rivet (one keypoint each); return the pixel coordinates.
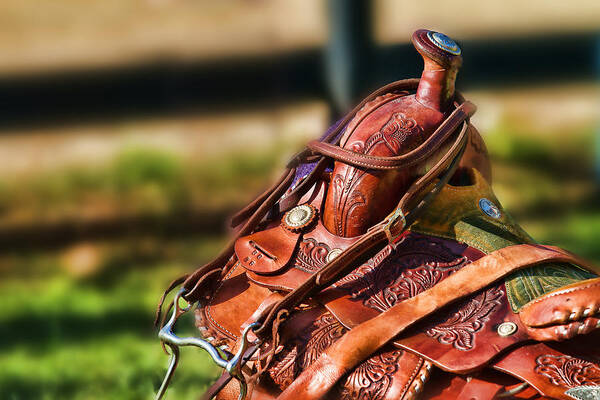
(489, 208)
(507, 328)
(333, 254)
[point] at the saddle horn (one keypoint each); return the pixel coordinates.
(391, 125)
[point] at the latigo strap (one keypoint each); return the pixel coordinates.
(365, 339)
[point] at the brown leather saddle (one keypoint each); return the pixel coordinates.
(382, 266)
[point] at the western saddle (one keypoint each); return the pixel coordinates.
(382, 266)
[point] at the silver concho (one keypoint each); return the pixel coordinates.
(584, 392)
(507, 328)
(298, 216)
(489, 208)
(333, 254)
(444, 42)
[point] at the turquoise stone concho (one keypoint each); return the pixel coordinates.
(444, 42)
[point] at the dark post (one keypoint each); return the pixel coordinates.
(348, 48)
(597, 149)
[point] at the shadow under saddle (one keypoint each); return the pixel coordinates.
(382, 266)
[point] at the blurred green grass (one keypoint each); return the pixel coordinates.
(77, 318)
(139, 181)
(81, 338)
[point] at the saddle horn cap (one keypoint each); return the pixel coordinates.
(437, 47)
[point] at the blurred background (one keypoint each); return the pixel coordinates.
(130, 129)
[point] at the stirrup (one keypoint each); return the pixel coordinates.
(232, 366)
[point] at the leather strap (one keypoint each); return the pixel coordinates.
(365, 339)
(418, 155)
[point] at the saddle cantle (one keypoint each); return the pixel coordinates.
(382, 266)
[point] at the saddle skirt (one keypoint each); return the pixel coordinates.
(461, 225)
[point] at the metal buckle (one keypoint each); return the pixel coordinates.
(391, 219)
(233, 366)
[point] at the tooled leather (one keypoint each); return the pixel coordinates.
(312, 255)
(455, 215)
(355, 201)
(390, 374)
(448, 263)
(461, 328)
(554, 370)
(365, 110)
(567, 371)
(276, 246)
(372, 379)
(305, 348)
(346, 185)
(464, 338)
(412, 158)
(368, 337)
(398, 131)
(457, 328)
(417, 264)
(349, 197)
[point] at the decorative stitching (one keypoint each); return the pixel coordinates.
(349, 160)
(411, 378)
